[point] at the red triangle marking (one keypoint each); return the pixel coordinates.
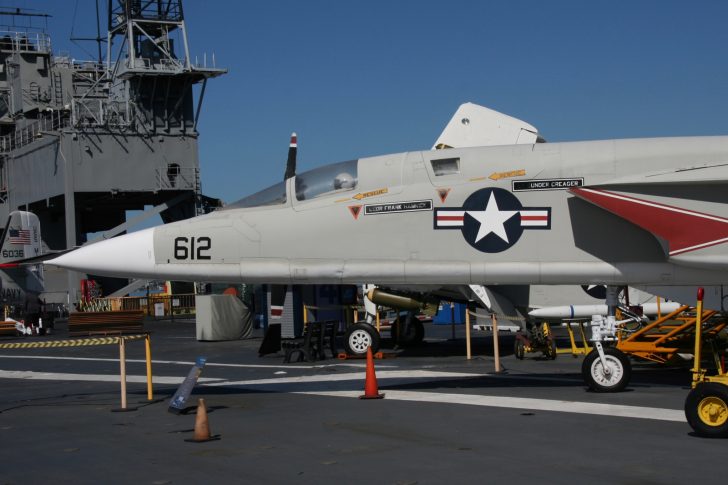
(355, 211)
(443, 193)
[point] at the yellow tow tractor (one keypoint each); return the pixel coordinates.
(539, 339)
(706, 407)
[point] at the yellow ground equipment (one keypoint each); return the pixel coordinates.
(669, 335)
(706, 407)
(576, 349)
(539, 339)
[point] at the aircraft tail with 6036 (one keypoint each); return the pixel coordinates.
(21, 239)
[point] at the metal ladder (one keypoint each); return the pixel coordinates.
(57, 87)
(199, 210)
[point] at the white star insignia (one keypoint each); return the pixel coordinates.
(492, 220)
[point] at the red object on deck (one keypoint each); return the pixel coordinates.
(371, 390)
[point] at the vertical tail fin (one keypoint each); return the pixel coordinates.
(21, 238)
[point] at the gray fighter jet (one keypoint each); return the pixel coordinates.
(617, 212)
(639, 212)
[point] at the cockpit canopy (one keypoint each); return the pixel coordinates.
(332, 178)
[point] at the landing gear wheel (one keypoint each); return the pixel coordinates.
(706, 409)
(359, 337)
(612, 379)
(519, 349)
(550, 351)
(414, 331)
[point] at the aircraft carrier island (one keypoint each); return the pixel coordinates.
(83, 142)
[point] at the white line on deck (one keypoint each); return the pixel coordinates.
(415, 374)
(614, 410)
(60, 376)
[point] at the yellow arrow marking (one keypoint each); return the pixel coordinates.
(364, 195)
(504, 175)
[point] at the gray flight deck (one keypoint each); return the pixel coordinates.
(444, 420)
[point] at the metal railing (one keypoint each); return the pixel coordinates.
(157, 306)
(155, 65)
(25, 41)
(52, 121)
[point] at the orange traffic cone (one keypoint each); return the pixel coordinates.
(202, 425)
(371, 390)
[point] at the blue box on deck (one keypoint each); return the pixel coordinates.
(446, 312)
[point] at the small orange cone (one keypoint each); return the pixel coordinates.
(371, 390)
(202, 425)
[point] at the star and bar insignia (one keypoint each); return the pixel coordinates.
(492, 219)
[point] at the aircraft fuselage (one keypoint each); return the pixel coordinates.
(490, 215)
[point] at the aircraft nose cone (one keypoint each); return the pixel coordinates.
(128, 255)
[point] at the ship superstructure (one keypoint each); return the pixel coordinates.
(82, 142)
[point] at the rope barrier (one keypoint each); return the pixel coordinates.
(117, 339)
(71, 342)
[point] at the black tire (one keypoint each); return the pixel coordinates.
(591, 370)
(414, 331)
(519, 349)
(706, 409)
(359, 337)
(551, 349)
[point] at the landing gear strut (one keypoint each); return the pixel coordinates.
(606, 369)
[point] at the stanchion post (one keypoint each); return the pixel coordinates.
(377, 319)
(122, 374)
(496, 351)
(148, 354)
(452, 320)
(122, 370)
(468, 353)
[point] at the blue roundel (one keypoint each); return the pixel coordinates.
(492, 220)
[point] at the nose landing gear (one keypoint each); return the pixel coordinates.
(606, 369)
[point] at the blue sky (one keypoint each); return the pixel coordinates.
(359, 78)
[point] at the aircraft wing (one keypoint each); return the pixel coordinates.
(688, 235)
(694, 174)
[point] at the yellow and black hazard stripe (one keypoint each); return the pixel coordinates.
(81, 342)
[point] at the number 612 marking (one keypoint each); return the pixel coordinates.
(192, 247)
